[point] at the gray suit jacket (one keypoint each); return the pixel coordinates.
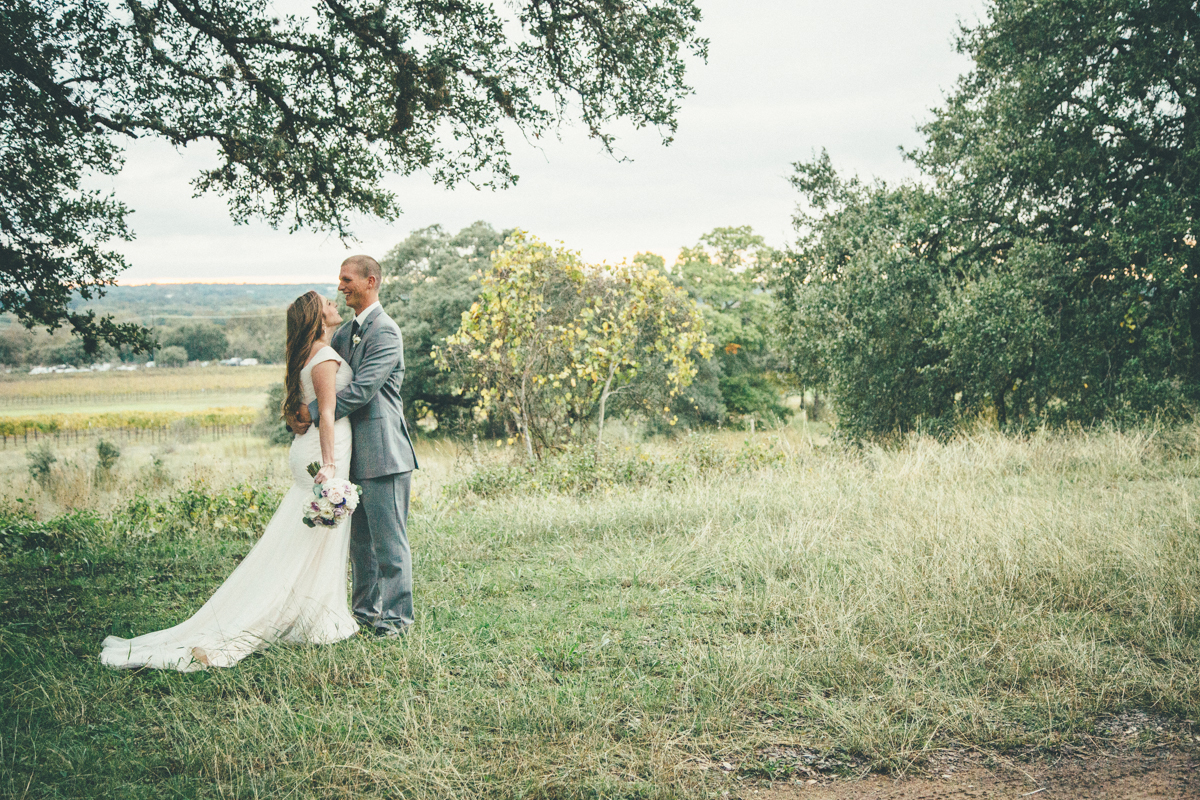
(372, 400)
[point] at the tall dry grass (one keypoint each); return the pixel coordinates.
(875, 605)
(16, 386)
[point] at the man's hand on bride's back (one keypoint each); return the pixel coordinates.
(299, 421)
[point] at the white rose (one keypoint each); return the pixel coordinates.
(335, 494)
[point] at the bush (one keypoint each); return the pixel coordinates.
(107, 455)
(173, 356)
(156, 474)
(241, 510)
(269, 424)
(40, 461)
(19, 530)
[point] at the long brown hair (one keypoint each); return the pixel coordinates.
(304, 326)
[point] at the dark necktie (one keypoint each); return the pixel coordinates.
(353, 331)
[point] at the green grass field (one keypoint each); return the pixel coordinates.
(701, 611)
(172, 402)
(185, 388)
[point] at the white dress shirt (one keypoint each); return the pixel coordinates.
(362, 317)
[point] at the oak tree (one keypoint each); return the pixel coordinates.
(305, 114)
(1046, 270)
(429, 280)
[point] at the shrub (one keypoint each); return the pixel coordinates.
(269, 424)
(156, 473)
(241, 510)
(40, 461)
(173, 356)
(20, 530)
(107, 455)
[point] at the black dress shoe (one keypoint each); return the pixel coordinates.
(390, 631)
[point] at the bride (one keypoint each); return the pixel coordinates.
(291, 586)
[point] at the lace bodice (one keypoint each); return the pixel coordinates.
(341, 380)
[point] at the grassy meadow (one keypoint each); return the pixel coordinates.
(666, 630)
(160, 389)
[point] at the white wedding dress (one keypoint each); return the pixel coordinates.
(291, 586)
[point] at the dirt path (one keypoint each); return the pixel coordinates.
(1171, 776)
(1135, 757)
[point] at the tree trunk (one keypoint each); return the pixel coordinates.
(523, 422)
(612, 370)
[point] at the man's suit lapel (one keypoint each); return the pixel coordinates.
(355, 350)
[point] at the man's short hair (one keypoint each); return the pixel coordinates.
(366, 266)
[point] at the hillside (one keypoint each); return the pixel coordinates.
(198, 299)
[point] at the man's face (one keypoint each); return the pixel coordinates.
(355, 286)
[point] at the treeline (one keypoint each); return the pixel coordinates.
(1045, 269)
(260, 335)
(198, 322)
(553, 322)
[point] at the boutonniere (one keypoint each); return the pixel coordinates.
(357, 339)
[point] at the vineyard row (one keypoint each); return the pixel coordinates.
(50, 424)
(165, 433)
(97, 398)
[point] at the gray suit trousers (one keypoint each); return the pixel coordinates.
(380, 561)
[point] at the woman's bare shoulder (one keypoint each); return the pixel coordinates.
(322, 354)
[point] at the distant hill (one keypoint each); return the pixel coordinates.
(171, 301)
(250, 316)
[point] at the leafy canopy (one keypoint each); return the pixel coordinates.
(859, 296)
(1070, 155)
(305, 114)
(430, 279)
(1047, 271)
(635, 325)
(725, 273)
(550, 339)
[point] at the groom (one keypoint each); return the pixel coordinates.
(383, 459)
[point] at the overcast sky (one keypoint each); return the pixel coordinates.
(784, 78)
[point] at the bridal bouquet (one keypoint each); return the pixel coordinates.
(332, 502)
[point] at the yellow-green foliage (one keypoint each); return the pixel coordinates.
(118, 420)
(551, 339)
